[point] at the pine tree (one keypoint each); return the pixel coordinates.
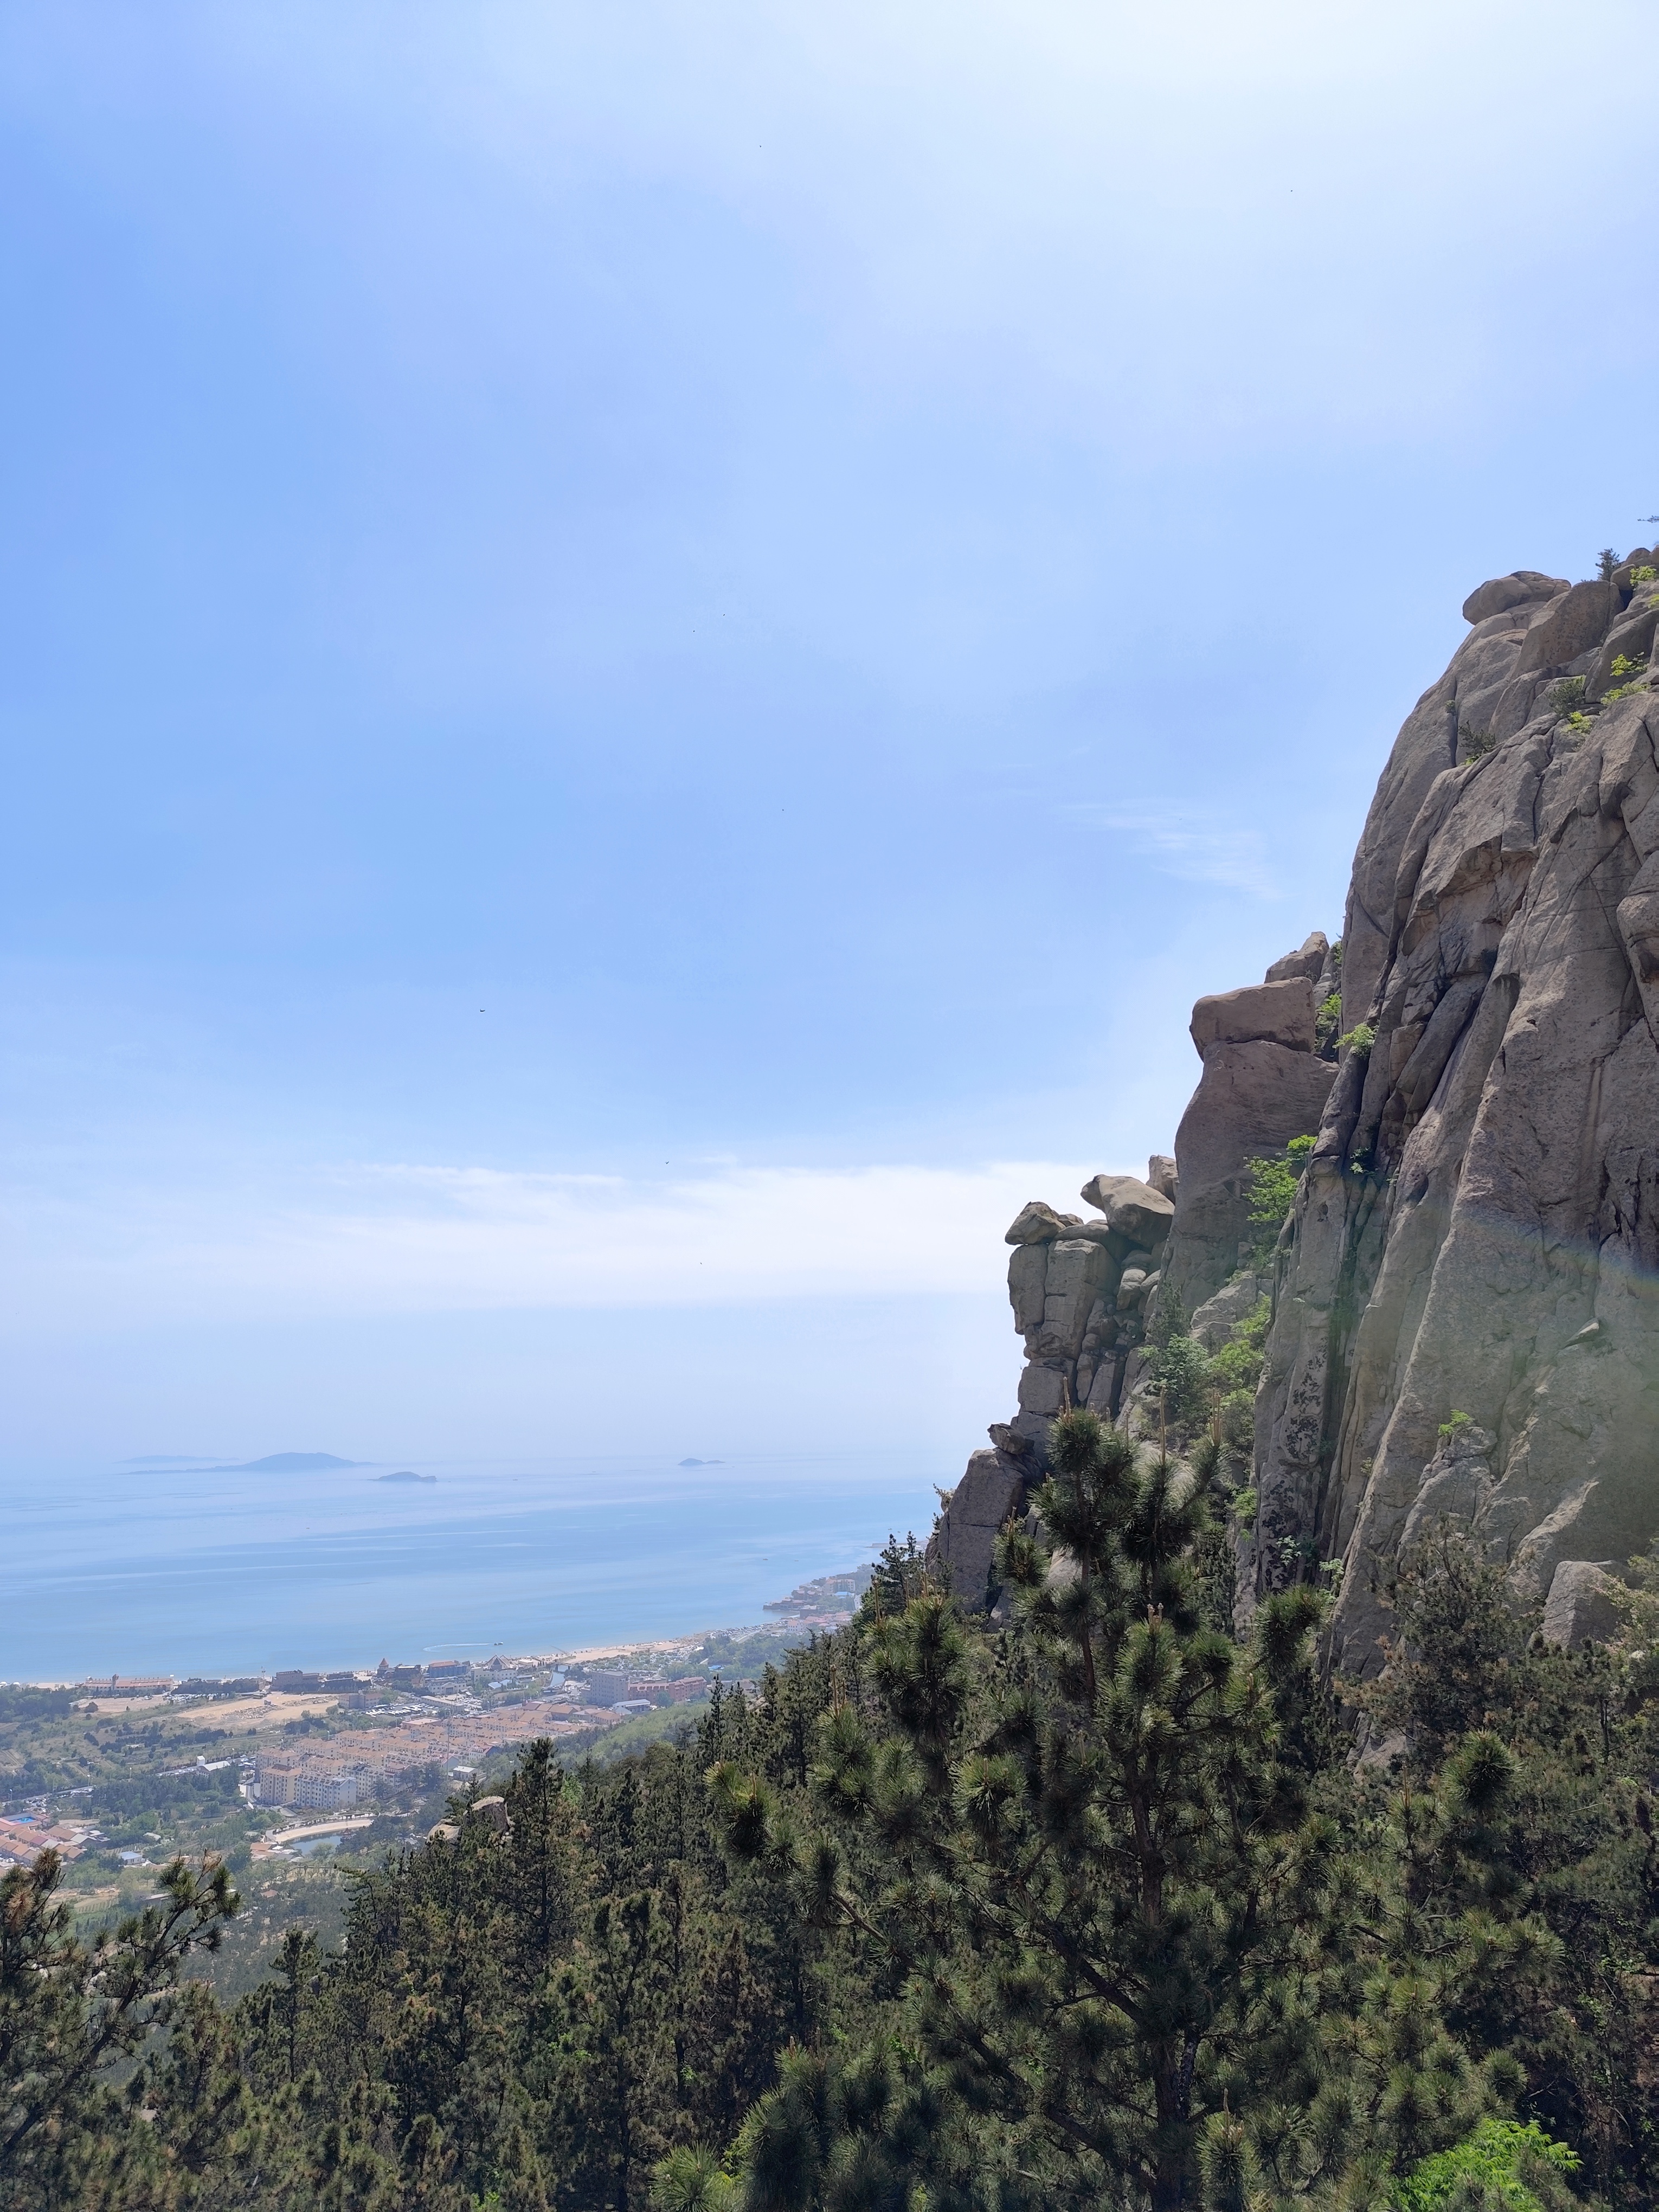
(72, 2013)
(1088, 1865)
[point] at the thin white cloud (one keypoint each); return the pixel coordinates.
(417, 1237)
(1194, 849)
(1101, 190)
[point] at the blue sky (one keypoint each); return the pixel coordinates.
(649, 651)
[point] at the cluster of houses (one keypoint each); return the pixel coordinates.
(26, 1835)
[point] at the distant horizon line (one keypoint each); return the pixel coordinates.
(585, 1654)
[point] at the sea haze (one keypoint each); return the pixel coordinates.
(186, 1570)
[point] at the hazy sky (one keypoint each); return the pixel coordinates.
(649, 650)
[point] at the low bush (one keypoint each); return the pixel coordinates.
(1510, 2167)
(1274, 1183)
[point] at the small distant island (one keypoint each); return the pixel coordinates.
(287, 1463)
(702, 1462)
(404, 1474)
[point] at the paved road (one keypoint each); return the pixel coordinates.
(318, 1828)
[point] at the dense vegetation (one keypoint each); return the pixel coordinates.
(1090, 1904)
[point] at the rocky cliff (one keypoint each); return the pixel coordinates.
(1465, 1313)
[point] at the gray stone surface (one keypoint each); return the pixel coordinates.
(1028, 1286)
(1132, 1209)
(1308, 960)
(991, 1491)
(1078, 1271)
(1251, 1100)
(1631, 639)
(1525, 586)
(1579, 1608)
(1099, 1189)
(1272, 1013)
(1215, 1320)
(1575, 623)
(1062, 1287)
(1036, 1224)
(1478, 1231)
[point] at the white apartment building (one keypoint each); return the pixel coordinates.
(280, 1778)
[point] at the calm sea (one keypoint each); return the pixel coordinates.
(136, 1572)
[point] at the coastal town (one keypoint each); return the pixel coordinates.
(114, 1772)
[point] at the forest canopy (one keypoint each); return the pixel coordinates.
(1085, 1902)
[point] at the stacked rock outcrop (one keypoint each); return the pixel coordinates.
(1466, 1297)
(1079, 1289)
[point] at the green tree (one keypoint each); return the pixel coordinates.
(604, 2076)
(73, 2015)
(1273, 1180)
(1083, 1856)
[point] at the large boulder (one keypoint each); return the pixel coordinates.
(1037, 1223)
(1579, 1608)
(1028, 1286)
(1161, 1174)
(1310, 959)
(1080, 1274)
(1213, 1322)
(1062, 1285)
(1523, 588)
(1132, 1209)
(1266, 1013)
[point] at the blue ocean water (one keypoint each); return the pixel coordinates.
(137, 1571)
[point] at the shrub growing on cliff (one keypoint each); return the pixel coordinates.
(1271, 1189)
(1180, 1390)
(1237, 1364)
(1627, 674)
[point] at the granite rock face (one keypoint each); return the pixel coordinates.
(1477, 1234)
(1264, 1082)
(972, 1519)
(1465, 1295)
